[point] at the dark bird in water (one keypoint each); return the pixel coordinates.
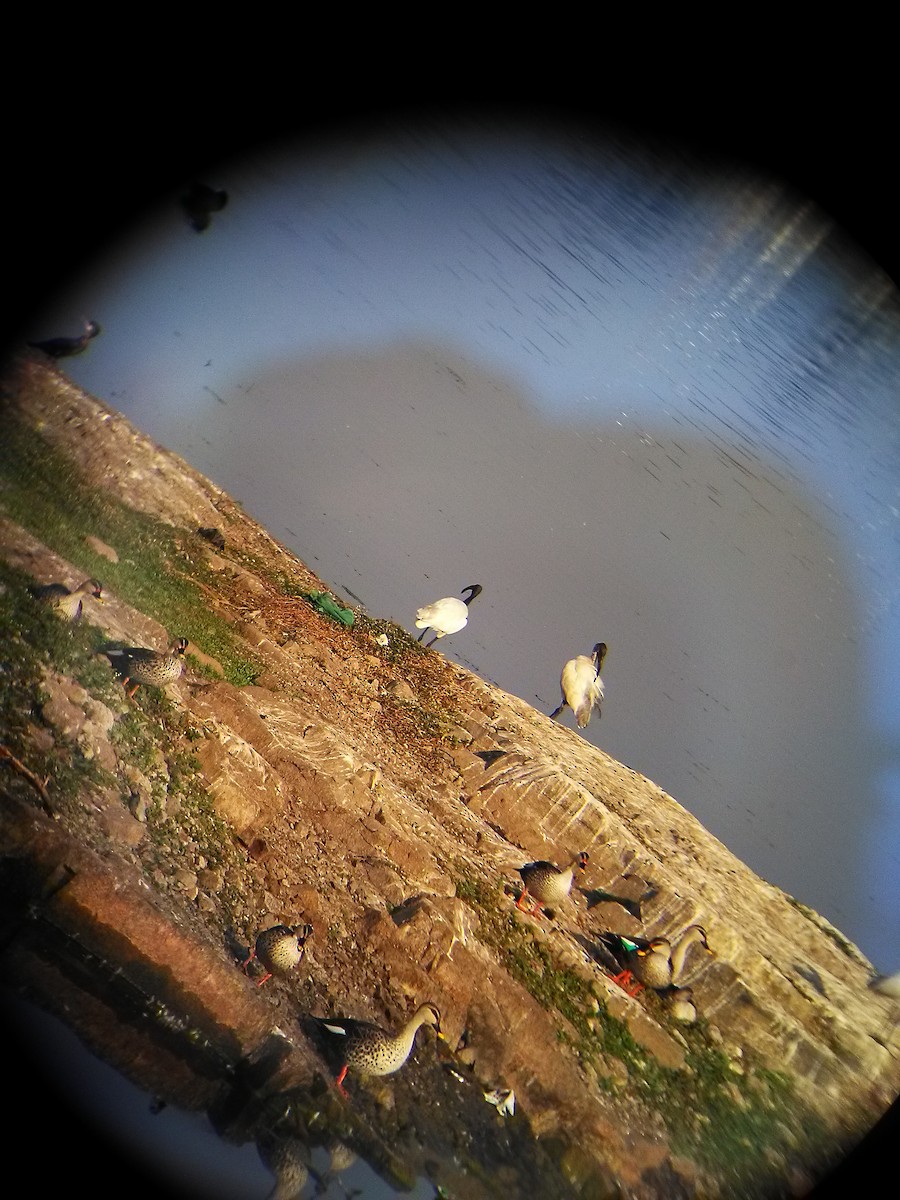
(199, 203)
(547, 883)
(66, 603)
(581, 685)
(446, 616)
(138, 665)
(363, 1046)
(65, 347)
(279, 949)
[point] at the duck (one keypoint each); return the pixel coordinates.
(446, 616)
(138, 665)
(681, 1006)
(366, 1047)
(65, 347)
(67, 603)
(581, 685)
(279, 948)
(200, 201)
(546, 883)
(654, 963)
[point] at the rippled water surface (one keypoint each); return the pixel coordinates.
(637, 400)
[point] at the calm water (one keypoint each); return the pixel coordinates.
(637, 401)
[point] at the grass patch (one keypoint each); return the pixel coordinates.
(35, 641)
(737, 1125)
(160, 570)
(150, 737)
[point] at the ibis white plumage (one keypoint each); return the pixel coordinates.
(446, 616)
(581, 685)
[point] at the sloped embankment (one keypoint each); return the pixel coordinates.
(305, 771)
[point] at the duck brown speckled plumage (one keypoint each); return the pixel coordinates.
(655, 963)
(546, 883)
(137, 664)
(279, 949)
(366, 1047)
(67, 602)
(680, 1003)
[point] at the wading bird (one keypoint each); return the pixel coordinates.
(446, 616)
(581, 685)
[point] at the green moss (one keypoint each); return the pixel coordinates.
(401, 646)
(35, 641)
(159, 571)
(730, 1123)
(149, 736)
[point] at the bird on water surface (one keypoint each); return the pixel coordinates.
(546, 883)
(656, 963)
(65, 347)
(446, 616)
(68, 603)
(200, 201)
(581, 685)
(279, 949)
(137, 664)
(366, 1047)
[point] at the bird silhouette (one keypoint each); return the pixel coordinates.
(65, 347)
(200, 201)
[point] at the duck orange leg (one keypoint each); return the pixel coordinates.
(534, 910)
(627, 982)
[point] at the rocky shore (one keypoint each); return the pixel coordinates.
(303, 770)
